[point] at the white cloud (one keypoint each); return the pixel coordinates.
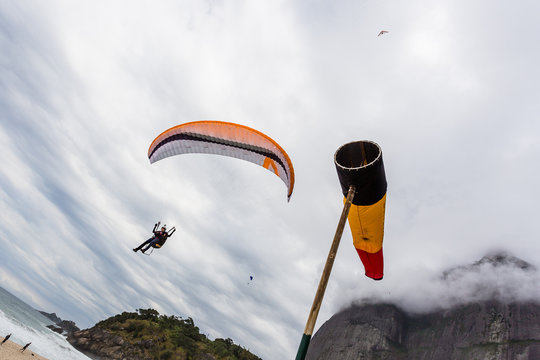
(449, 93)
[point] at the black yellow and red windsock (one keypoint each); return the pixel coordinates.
(360, 163)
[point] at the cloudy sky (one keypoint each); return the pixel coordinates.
(450, 94)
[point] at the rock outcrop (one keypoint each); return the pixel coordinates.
(64, 327)
(498, 318)
(146, 335)
(490, 330)
(99, 344)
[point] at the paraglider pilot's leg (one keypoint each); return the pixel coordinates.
(144, 243)
(150, 243)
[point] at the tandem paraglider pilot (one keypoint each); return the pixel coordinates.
(158, 240)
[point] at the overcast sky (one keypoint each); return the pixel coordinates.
(450, 93)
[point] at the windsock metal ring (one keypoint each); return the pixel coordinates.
(360, 163)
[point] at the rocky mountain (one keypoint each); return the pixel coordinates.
(147, 335)
(64, 327)
(496, 260)
(489, 330)
(498, 327)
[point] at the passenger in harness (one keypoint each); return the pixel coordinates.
(158, 240)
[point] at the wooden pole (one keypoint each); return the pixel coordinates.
(312, 319)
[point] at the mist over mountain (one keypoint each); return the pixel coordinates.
(486, 310)
(497, 276)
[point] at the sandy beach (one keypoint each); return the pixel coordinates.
(12, 351)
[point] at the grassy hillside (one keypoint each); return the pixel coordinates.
(152, 335)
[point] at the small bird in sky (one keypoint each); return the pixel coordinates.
(382, 32)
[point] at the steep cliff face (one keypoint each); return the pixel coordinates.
(489, 330)
(98, 343)
(483, 320)
(361, 332)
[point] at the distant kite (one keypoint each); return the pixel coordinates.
(382, 32)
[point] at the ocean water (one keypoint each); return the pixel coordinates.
(28, 325)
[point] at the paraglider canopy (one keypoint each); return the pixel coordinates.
(227, 139)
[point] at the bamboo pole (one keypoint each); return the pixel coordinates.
(312, 319)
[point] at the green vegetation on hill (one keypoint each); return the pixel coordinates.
(157, 336)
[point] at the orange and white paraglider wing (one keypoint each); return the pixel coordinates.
(227, 139)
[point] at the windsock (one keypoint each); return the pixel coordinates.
(360, 163)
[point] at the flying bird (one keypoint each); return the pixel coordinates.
(382, 32)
